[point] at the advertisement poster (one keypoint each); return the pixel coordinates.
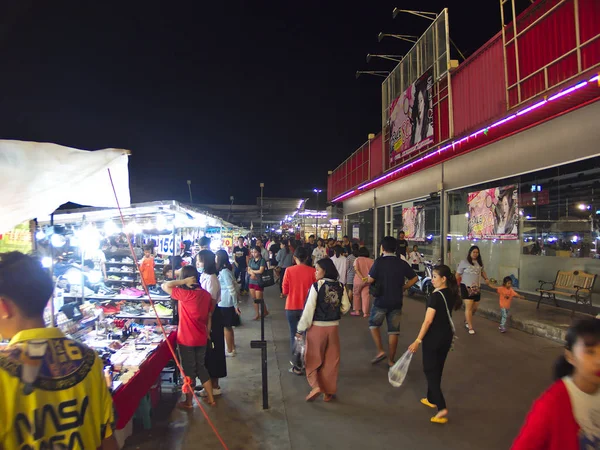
(413, 223)
(355, 231)
(18, 239)
(494, 213)
(411, 119)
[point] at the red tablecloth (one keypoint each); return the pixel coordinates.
(127, 398)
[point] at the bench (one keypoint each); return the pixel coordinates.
(575, 284)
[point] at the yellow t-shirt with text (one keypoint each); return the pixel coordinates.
(54, 394)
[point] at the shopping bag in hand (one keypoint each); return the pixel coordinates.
(398, 371)
(298, 354)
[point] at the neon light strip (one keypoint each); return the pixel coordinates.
(337, 199)
(532, 107)
(483, 130)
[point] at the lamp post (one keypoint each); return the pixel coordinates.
(402, 37)
(230, 208)
(262, 229)
(377, 73)
(189, 183)
(317, 191)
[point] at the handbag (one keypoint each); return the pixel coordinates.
(267, 278)
(454, 336)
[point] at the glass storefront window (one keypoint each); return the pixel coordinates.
(558, 216)
(360, 226)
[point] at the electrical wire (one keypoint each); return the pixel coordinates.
(187, 385)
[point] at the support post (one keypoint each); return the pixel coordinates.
(262, 344)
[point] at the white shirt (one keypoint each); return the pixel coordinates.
(586, 409)
(211, 284)
(341, 264)
(319, 253)
(415, 257)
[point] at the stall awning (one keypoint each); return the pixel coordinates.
(37, 178)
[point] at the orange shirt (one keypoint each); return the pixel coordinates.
(147, 271)
(506, 296)
(296, 284)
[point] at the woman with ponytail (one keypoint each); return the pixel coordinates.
(436, 335)
(567, 415)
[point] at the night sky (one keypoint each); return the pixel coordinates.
(227, 94)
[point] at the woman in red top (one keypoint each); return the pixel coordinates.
(297, 282)
(567, 415)
(195, 310)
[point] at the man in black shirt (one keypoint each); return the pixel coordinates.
(310, 246)
(346, 245)
(401, 245)
(388, 276)
(241, 255)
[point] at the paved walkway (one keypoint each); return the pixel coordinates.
(489, 383)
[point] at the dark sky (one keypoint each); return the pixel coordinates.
(228, 94)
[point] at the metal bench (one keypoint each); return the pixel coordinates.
(575, 284)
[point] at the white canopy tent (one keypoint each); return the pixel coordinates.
(37, 178)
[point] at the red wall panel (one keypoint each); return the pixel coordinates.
(376, 157)
(478, 88)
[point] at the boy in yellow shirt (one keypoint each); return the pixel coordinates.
(55, 395)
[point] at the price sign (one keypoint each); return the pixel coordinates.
(227, 242)
(165, 245)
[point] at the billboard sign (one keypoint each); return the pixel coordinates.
(411, 119)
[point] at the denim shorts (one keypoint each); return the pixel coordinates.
(392, 316)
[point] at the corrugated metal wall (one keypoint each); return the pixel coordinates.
(546, 41)
(478, 88)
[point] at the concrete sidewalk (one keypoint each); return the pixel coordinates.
(490, 381)
(548, 321)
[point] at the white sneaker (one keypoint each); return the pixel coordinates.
(231, 354)
(216, 392)
(471, 331)
(466, 325)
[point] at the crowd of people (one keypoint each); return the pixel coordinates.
(320, 281)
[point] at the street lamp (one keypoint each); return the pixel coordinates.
(402, 37)
(424, 14)
(189, 183)
(230, 208)
(377, 73)
(396, 58)
(317, 191)
(262, 186)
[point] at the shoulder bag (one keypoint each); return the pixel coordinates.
(267, 277)
(454, 336)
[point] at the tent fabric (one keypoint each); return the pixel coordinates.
(37, 178)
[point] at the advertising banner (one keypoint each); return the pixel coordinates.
(411, 119)
(19, 239)
(413, 223)
(494, 213)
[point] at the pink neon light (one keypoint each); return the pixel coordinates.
(568, 91)
(532, 107)
(500, 122)
(337, 199)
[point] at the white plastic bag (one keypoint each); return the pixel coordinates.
(299, 351)
(398, 371)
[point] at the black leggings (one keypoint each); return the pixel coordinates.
(434, 357)
(281, 274)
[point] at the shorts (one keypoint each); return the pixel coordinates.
(256, 287)
(464, 293)
(350, 287)
(192, 361)
(392, 316)
(230, 317)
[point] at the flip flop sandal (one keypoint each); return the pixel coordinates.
(436, 419)
(313, 394)
(426, 402)
(378, 359)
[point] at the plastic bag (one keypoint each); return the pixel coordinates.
(398, 371)
(298, 353)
